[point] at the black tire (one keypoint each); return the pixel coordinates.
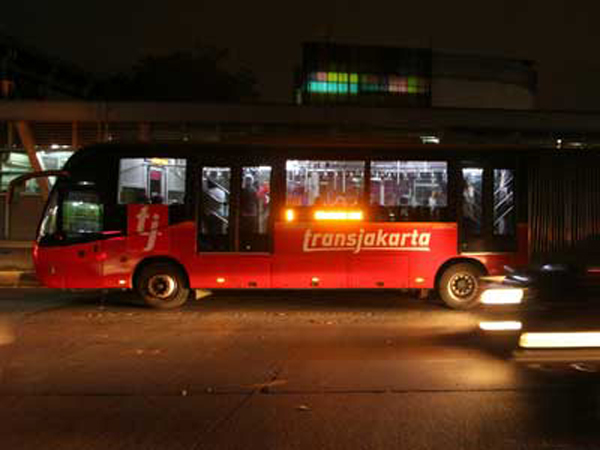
(162, 286)
(460, 287)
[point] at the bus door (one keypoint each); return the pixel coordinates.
(487, 201)
(234, 226)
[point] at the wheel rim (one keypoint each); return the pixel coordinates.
(463, 286)
(162, 286)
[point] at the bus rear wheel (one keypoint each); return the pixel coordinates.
(459, 286)
(162, 286)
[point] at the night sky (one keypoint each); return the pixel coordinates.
(265, 36)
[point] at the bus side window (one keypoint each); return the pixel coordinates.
(324, 183)
(152, 180)
(504, 202)
(472, 201)
(407, 191)
(255, 208)
(215, 206)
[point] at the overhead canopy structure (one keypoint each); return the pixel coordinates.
(77, 123)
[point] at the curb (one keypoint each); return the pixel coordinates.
(18, 279)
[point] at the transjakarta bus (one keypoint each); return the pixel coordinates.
(164, 220)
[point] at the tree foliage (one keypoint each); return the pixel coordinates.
(196, 75)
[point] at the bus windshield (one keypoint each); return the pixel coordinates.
(82, 214)
(72, 214)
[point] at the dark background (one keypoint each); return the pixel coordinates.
(266, 36)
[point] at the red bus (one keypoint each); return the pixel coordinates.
(164, 220)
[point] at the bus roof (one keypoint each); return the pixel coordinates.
(308, 149)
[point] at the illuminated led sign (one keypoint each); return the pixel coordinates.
(353, 83)
(335, 73)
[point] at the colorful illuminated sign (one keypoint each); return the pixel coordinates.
(365, 74)
(353, 84)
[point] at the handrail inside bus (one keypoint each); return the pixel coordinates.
(28, 176)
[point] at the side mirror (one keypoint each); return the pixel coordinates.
(20, 181)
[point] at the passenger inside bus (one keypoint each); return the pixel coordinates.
(255, 208)
(408, 190)
(324, 183)
(471, 206)
(249, 216)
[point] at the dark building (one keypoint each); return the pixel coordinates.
(415, 77)
(367, 75)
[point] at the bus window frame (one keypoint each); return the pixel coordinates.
(450, 214)
(455, 163)
(116, 194)
(199, 204)
(91, 236)
(234, 204)
(514, 225)
(487, 241)
(304, 212)
(60, 239)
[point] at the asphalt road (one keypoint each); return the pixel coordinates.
(287, 370)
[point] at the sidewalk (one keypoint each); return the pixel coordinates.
(18, 279)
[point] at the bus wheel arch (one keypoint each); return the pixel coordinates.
(161, 282)
(457, 282)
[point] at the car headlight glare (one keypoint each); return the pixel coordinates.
(502, 296)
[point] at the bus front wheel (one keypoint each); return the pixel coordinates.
(162, 286)
(459, 286)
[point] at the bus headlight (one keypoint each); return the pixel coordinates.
(579, 339)
(502, 296)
